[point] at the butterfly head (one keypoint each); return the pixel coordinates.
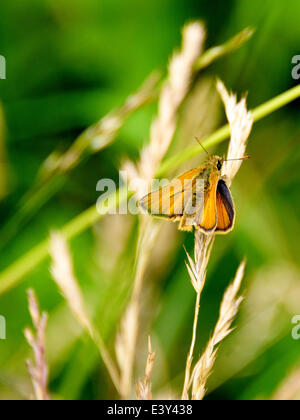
(216, 162)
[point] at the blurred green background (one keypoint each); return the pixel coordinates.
(68, 64)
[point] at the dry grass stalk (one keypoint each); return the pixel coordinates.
(197, 271)
(102, 133)
(126, 339)
(162, 131)
(180, 73)
(37, 341)
(240, 122)
(172, 95)
(229, 308)
(63, 274)
(144, 388)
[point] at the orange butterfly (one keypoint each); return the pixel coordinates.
(199, 198)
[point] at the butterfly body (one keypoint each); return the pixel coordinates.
(197, 199)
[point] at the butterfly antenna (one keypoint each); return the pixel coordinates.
(198, 140)
(242, 158)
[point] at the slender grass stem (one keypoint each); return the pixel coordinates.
(231, 45)
(189, 361)
(12, 275)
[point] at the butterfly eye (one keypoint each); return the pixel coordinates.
(219, 165)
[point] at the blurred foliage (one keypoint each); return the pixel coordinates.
(68, 64)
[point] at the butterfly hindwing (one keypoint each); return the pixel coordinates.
(225, 208)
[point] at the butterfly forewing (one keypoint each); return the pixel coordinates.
(171, 201)
(206, 218)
